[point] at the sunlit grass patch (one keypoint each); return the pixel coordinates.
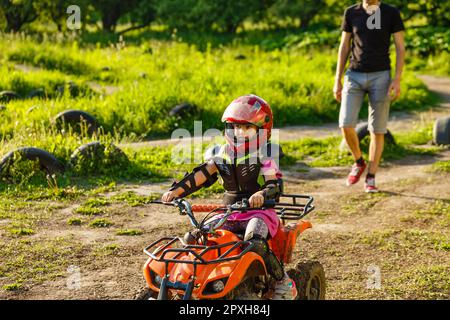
(133, 199)
(27, 261)
(89, 211)
(438, 211)
(428, 281)
(100, 223)
(74, 222)
(441, 166)
(129, 232)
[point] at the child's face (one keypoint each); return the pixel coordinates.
(244, 131)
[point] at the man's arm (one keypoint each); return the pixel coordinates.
(344, 50)
(394, 88)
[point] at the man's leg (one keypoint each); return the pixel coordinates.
(375, 151)
(378, 116)
(350, 136)
(352, 98)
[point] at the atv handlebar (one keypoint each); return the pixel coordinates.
(186, 208)
(295, 208)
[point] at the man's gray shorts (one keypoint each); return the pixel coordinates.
(376, 85)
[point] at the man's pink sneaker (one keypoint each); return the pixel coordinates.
(355, 174)
(369, 185)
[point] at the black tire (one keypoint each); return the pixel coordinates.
(93, 150)
(362, 131)
(47, 161)
(37, 93)
(74, 118)
(183, 109)
(309, 277)
(146, 294)
(7, 96)
(441, 131)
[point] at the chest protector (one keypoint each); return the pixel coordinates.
(241, 176)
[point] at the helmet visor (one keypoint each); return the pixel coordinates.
(253, 114)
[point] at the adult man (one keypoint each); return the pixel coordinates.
(366, 32)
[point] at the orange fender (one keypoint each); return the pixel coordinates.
(284, 241)
(235, 271)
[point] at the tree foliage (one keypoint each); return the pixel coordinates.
(18, 13)
(204, 15)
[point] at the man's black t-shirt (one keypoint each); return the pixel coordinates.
(371, 40)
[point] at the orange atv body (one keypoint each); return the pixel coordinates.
(214, 269)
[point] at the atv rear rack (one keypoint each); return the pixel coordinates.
(292, 209)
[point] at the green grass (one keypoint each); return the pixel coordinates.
(430, 282)
(133, 199)
(107, 250)
(35, 261)
(89, 211)
(21, 231)
(398, 240)
(297, 84)
(74, 222)
(441, 166)
(100, 223)
(12, 287)
(438, 211)
(129, 232)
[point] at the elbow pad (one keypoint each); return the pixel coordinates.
(190, 177)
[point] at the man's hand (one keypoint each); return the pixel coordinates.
(394, 90)
(337, 90)
(169, 196)
(256, 200)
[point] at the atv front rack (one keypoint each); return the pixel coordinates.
(198, 256)
(160, 256)
(295, 208)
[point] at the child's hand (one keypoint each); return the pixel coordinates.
(256, 200)
(168, 196)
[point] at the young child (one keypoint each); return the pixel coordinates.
(246, 173)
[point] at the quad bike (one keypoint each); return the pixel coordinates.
(212, 263)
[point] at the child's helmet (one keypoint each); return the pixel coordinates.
(249, 109)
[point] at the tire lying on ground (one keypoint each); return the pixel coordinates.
(362, 131)
(73, 88)
(37, 93)
(441, 131)
(47, 161)
(7, 96)
(76, 119)
(183, 109)
(96, 157)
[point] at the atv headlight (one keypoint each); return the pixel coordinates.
(158, 279)
(215, 286)
(218, 285)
